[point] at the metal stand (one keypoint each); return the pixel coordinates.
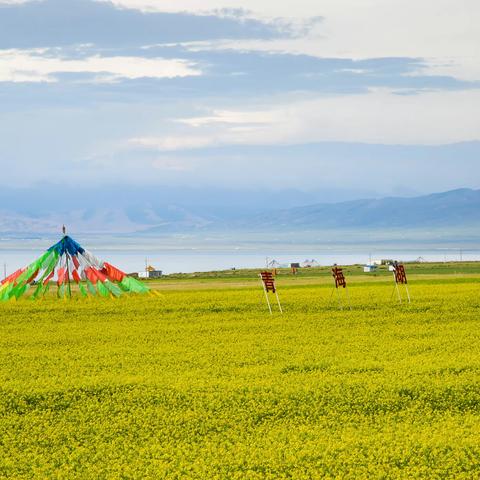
(339, 298)
(278, 301)
(340, 281)
(347, 293)
(266, 296)
(397, 289)
(408, 294)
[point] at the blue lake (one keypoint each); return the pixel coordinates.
(175, 254)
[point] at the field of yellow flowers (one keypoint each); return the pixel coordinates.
(204, 384)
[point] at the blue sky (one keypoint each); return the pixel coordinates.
(363, 97)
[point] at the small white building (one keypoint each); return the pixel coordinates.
(150, 272)
(370, 268)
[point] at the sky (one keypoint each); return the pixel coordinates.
(351, 97)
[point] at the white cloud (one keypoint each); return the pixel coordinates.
(434, 29)
(380, 117)
(173, 142)
(171, 164)
(229, 117)
(32, 66)
(465, 68)
(443, 31)
(221, 127)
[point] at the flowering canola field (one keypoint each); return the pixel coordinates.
(204, 384)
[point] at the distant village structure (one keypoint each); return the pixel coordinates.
(372, 267)
(150, 272)
(309, 263)
(272, 263)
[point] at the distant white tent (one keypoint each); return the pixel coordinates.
(273, 264)
(309, 263)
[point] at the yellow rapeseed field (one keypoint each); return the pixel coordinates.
(204, 384)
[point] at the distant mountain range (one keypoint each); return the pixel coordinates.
(456, 208)
(128, 209)
(157, 213)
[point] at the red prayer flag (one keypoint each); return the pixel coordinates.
(50, 276)
(113, 273)
(90, 274)
(13, 276)
(61, 276)
(75, 261)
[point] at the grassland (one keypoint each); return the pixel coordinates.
(203, 383)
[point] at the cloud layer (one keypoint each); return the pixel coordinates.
(183, 92)
(31, 66)
(48, 23)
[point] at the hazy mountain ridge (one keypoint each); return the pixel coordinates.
(149, 215)
(450, 209)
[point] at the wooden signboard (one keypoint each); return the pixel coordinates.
(400, 277)
(268, 282)
(339, 277)
(340, 282)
